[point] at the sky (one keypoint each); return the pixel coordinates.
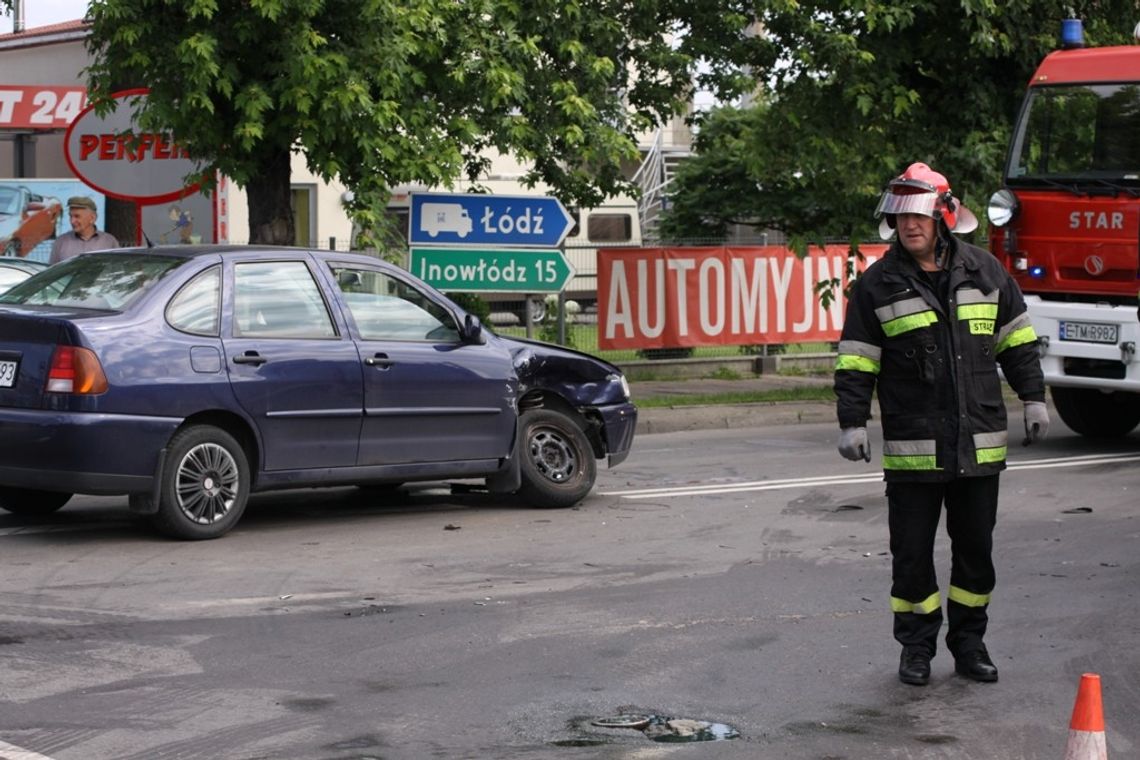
(43, 12)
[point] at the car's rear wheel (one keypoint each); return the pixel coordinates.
(31, 502)
(558, 467)
(205, 484)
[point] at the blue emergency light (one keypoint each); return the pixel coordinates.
(1037, 272)
(1072, 33)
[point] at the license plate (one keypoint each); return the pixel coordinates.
(1090, 332)
(8, 374)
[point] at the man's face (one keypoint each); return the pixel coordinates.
(917, 233)
(82, 220)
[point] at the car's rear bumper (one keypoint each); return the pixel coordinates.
(81, 452)
(620, 422)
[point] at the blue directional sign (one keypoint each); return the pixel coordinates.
(534, 221)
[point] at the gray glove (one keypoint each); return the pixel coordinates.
(1036, 422)
(853, 444)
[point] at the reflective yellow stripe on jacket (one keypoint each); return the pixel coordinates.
(979, 310)
(1015, 332)
(858, 356)
(990, 447)
(910, 455)
(903, 316)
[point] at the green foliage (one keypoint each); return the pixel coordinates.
(852, 91)
(384, 92)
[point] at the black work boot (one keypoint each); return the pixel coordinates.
(914, 666)
(976, 665)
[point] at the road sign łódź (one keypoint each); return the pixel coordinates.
(537, 221)
(475, 269)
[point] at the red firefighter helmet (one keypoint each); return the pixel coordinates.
(921, 190)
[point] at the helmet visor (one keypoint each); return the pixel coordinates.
(909, 203)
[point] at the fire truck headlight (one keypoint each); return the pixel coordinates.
(1002, 208)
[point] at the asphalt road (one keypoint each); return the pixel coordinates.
(735, 576)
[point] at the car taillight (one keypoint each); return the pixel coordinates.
(75, 370)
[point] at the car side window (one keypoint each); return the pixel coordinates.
(196, 308)
(386, 308)
(279, 299)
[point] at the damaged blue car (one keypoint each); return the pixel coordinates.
(188, 377)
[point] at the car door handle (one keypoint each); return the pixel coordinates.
(379, 360)
(250, 357)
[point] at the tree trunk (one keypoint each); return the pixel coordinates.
(271, 203)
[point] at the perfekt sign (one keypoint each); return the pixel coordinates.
(111, 155)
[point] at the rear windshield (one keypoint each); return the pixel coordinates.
(94, 281)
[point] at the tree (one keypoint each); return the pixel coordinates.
(852, 91)
(382, 92)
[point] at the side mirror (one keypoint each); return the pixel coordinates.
(473, 330)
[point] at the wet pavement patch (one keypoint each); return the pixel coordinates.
(660, 728)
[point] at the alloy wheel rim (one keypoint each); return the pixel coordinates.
(553, 455)
(207, 483)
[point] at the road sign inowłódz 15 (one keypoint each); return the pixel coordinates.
(538, 221)
(473, 269)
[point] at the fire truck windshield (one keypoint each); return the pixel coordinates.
(1078, 135)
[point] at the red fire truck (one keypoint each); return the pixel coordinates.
(1067, 225)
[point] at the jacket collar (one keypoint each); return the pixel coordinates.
(965, 266)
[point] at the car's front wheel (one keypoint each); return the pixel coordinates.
(205, 484)
(558, 467)
(31, 502)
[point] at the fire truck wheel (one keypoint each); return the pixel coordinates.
(1097, 414)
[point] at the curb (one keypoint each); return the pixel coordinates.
(675, 419)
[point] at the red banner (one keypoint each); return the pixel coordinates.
(674, 297)
(39, 106)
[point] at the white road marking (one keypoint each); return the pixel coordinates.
(12, 752)
(835, 480)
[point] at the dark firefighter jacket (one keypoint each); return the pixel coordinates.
(934, 363)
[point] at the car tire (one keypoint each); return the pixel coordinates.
(205, 484)
(31, 502)
(558, 467)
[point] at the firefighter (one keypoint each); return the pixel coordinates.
(926, 327)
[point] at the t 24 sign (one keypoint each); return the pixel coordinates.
(40, 107)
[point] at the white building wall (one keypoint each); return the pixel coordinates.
(56, 64)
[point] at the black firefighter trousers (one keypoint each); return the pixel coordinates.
(914, 512)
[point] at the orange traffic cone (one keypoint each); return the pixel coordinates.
(1086, 729)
